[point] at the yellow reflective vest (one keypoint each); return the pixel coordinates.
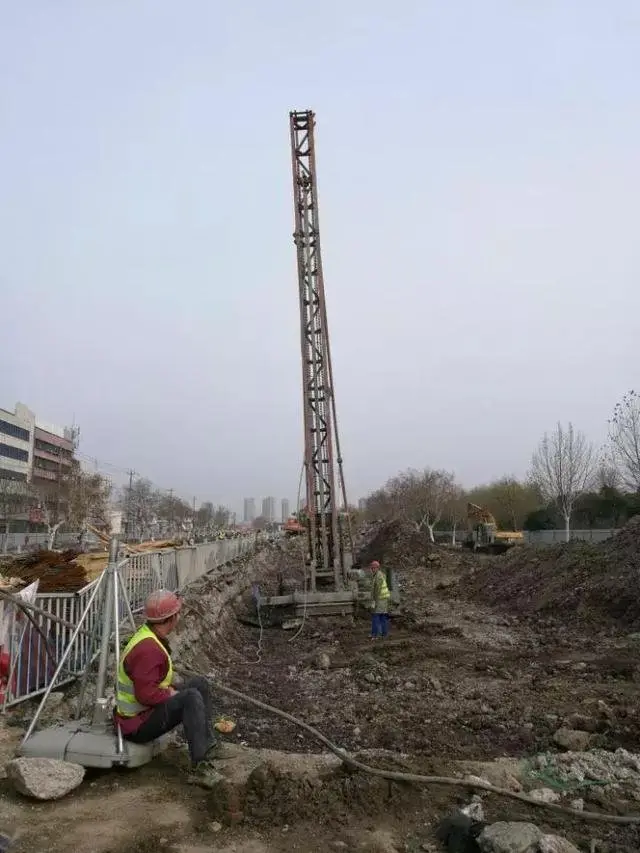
(126, 703)
(380, 589)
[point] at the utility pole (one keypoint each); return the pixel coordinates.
(171, 512)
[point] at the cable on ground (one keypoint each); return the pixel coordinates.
(397, 776)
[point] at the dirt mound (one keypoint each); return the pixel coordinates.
(573, 581)
(396, 543)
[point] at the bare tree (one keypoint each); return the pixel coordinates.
(421, 497)
(140, 505)
(204, 516)
(515, 500)
(80, 499)
(380, 505)
(607, 475)
(562, 468)
(172, 511)
(624, 434)
(456, 510)
(221, 516)
(88, 500)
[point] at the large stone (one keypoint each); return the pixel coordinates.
(556, 844)
(545, 795)
(510, 837)
(572, 740)
(44, 778)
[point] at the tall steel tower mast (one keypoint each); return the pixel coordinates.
(321, 442)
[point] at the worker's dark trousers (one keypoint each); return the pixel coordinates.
(379, 624)
(190, 706)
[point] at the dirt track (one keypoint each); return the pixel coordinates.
(455, 682)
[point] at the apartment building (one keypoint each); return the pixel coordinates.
(284, 507)
(53, 449)
(33, 450)
(249, 510)
(17, 429)
(269, 509)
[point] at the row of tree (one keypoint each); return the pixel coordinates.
(569, 482)
(78, 499)
(151, 512)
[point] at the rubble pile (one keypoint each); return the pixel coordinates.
(576, 581)
(396, 543)
(57, 571)
(573, 771)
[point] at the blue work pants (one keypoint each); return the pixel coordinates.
(379, 624)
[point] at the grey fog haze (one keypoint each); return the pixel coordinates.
(479, 186)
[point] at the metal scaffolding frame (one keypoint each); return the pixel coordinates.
(321, 441)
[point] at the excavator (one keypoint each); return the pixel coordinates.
(484, 536)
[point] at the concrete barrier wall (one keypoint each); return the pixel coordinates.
(540, 537)
(197, 560)
(551, 537)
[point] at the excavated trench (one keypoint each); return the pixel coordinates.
(457, 689)
(296, 780)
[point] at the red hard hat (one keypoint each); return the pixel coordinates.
(374, 564)
(161, 605)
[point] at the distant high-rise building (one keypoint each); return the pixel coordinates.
(249, 510)
(269, 509)
(362, 504)
(285, 509)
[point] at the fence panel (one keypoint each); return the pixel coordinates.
(34, 648)
(30, 655)
(551, 537)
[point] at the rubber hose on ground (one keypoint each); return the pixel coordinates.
(397, 776)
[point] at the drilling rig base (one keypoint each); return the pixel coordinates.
(341, 603)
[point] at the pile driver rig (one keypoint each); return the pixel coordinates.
(329, 532)
(330, 587)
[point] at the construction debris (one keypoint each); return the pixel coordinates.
(56, 571)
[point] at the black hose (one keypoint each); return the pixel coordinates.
(396, 776)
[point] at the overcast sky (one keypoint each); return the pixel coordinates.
(479, 181)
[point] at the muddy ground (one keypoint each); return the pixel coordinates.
(455, 682)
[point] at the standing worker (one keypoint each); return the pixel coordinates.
(147, 703)
(380, 596)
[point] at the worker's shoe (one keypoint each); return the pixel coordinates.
(205, 775)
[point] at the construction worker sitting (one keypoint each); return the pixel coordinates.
(147, 703)
(380, 596)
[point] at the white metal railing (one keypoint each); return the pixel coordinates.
(28, 656)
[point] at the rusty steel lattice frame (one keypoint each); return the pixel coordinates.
(321, 441)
